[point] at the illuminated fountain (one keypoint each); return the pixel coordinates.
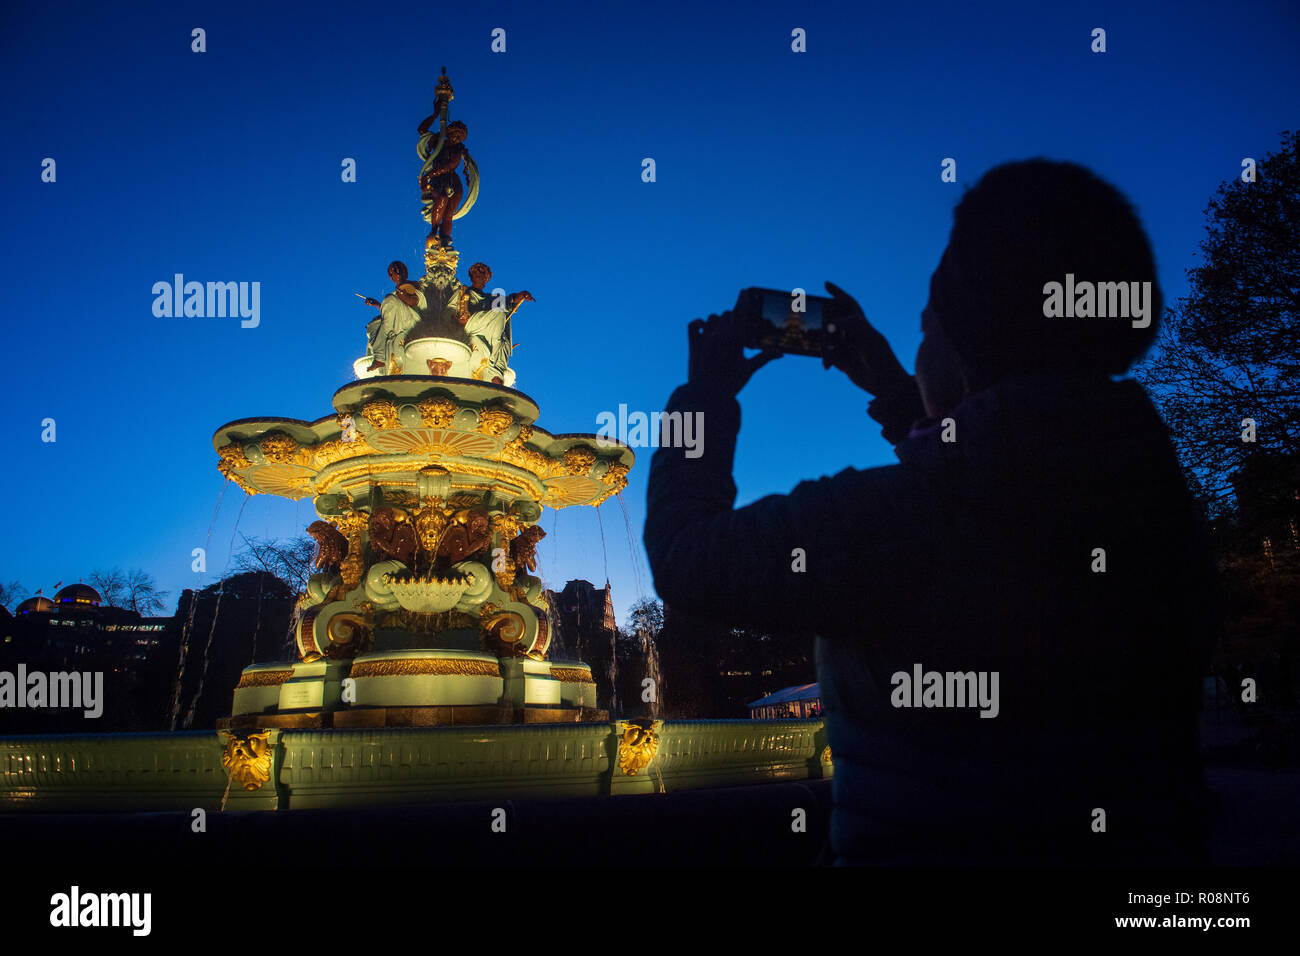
(429, 479)
(423, 637)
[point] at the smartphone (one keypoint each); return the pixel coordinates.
(776, 319)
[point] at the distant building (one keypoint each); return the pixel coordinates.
(75, 631)
(582, 617)
(803, 700)
(583, 628)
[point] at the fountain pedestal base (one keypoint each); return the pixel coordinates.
(414, 688)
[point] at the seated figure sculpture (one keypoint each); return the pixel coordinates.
(488, 326)
(398, 315)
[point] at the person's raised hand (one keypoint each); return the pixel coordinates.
(717, 353)
(857, 349)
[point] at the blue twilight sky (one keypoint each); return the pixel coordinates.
(774, 168)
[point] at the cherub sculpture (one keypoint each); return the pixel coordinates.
(332, 546)
(523, 549)
(470, 533)
(392, 536)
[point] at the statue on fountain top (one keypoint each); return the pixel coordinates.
(439, 325)
(445, 198)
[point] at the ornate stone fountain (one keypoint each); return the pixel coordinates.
(429, 479)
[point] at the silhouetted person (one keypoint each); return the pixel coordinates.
(1022, 468)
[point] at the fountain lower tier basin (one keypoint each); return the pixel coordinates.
(286, 769)
(417, 687)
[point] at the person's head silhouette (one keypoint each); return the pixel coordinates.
(1023, 226)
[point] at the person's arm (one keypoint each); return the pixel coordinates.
(802, 561)
(864, 355)
(897, 411)
(407, 293)
(832, 550)
(707, 559)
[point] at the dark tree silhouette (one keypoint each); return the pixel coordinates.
(647, 616)
(1230, 350)
(12, 594)
(111, 586)
(289, 559)
(136, 590)
(141, 594)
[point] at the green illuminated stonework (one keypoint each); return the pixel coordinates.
(356, 768)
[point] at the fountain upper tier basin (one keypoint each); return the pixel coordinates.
(399, 429)
(436, 356)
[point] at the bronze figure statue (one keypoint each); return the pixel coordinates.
(392, 536)
(469, 534)
(441, 190)
(523, 549)
(332, 547)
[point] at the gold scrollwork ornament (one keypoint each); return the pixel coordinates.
(353, 526)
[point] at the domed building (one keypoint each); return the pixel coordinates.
(77, 597)
(35, 605)
(76, 629)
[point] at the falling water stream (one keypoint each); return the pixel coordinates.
(188, 627)
(651, 651)
(257, 628)
(612, 671)
(216, 613)
(558, 649)
(613, 638)
(632, 548)
(648, 645)
(289, 646)
(604, 552)
(225, 794)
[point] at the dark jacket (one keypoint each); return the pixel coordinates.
(976, 555)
